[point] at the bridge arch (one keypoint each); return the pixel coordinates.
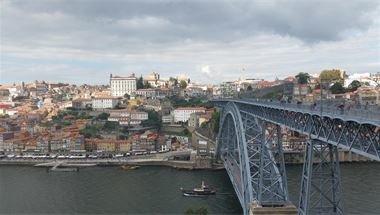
(249, 148)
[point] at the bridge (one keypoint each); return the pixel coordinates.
(250, 146)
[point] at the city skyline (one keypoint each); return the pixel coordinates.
(209, 41)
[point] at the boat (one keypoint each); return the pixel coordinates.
(203, 191)
(64, 169)
(129, 167)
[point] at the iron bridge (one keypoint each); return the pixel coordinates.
(250, 146)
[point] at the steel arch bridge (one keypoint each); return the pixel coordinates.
(250, 146)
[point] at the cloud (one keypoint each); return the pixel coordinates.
(173, 36)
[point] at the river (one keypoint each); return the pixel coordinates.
(111, 190)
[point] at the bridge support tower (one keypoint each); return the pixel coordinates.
(320, 186)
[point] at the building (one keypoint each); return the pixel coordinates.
(125, 117)
(123, 85)
(228, 89)
(108, 145)
(104, 102)
(81, 103)
(369, 95)
(148, 93)
(182, 114)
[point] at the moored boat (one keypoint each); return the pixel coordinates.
(128, 167)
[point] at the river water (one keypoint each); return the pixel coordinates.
(155, 190)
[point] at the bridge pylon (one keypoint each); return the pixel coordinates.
(320, 186)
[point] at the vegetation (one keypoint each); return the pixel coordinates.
(183, 84)
(303, 78)
(141, 84)
(337, 88)
(330, 75)
(215, 122)
(110, 126)
(103, 116)
(154, 120)
(90, 132)
(174, 81)
(354, 85)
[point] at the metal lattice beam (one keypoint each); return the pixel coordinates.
(320, 186)
(250, 150)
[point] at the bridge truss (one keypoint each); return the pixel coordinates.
(250, 145)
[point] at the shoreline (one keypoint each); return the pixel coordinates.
(188, 165)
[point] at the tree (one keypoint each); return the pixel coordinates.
(90, 132)
(331, 75)
(215, 120)
(147, 85)
(303, 78)
(103, 116)
(337, 88)
(173, 81)
(140, 83)
(249, 88)
(354, 85)
(154, 120)
(110, 126)
(183, 84)
(186, 132)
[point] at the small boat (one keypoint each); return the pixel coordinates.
(128, 167)
(64, 169)
(203, 191)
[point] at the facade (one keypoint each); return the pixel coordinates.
(148, 93)
(183, 114)
(167, 118)
(125, 117)
(104, 102)
(369, 95)
(81, 103)
(122, 85)
(228, 89)
(108, 145)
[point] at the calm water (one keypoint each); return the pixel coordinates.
(155, 190)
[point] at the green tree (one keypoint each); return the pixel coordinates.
(249, 88)
(154, 120)
(337, 88)
(215, 120)
(303, 78)
(331, 75)
(183, 84)
(147, 85)
(354, 85)
(186, 132)
(140, 83)
(103, 116)
(173, 81)
(110, 126)
(90, 132)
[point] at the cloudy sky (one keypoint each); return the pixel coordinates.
(83, 41)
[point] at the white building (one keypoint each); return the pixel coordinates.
(183, 114)
(122, 85)
(124, 117)
(104, 102)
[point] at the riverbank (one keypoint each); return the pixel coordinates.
(190, 165)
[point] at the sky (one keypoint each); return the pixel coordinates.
(211, 41)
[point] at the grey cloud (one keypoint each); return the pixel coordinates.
(223, 21)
